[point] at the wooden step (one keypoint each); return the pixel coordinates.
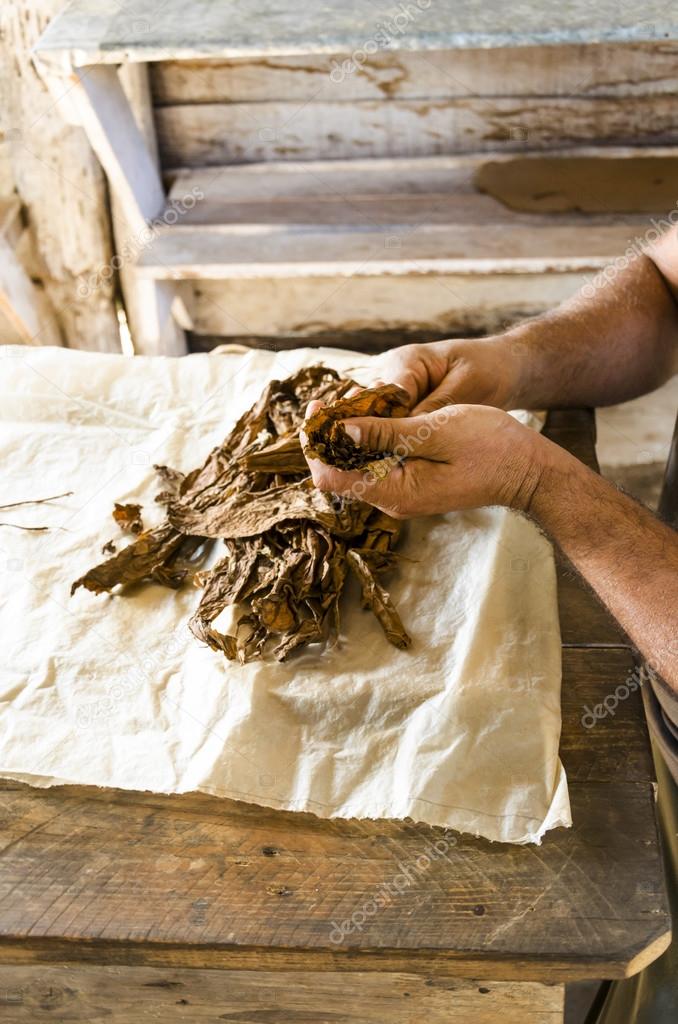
(94, 31)
(220, 252)
(439, 245)
(412, 216)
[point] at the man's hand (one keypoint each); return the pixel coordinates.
(473, 371)
(462, 456)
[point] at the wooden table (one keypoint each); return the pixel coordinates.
(130, 907)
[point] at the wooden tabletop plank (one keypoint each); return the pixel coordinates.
(131, 995)
(105, 30)
(194, 880)
(584, 621)
(604, 736)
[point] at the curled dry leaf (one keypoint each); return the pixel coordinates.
(329, 442)
(288, 546)
(128, 517)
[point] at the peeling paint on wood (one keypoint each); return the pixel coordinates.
(193, 135)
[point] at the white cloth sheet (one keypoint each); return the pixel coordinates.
(460, 731)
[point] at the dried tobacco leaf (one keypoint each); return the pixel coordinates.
(288, 546)
(378, 599)
(172, 480)
(284, 456)
(139, 561)
(329, 442)
(128, 517)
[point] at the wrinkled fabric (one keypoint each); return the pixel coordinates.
(460, 731)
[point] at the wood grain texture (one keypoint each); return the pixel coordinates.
(435, 189)
(136, 994)
(446, 304)
(593, 70)
(128, 157)
(380, 216)
(102, 30)
(148, 305)
(20, 319)
(127, 878)
(192, 135)
(217, 252)
(584, 621)
(63, 190)
(604, 735)
(336, 232)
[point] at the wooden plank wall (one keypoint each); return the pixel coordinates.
(405, 104)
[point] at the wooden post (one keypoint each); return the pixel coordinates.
(62, 186)
(93, 96)
(140, 294)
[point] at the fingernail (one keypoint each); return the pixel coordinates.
(353, 432)
(312, 407)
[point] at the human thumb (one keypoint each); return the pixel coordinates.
(380, 434)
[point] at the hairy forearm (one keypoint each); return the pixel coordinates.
(596, 349)
(628, 556)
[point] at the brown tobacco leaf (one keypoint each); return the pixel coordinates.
(284, 456)
(139, 561)
(379, 600)
(249, 514)
(172, 479)
(288, 546)
(329, 442)
(128, 517)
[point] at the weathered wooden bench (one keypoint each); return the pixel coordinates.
(344, 167)
(126, 907)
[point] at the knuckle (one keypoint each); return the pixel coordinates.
(381, 435)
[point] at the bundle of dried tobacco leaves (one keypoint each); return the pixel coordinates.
(289, 546)
(329, 442)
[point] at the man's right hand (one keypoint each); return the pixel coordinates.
(475, 371)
